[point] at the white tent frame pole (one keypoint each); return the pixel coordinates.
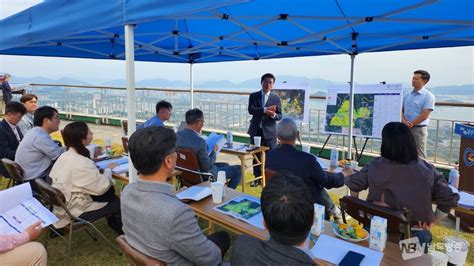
(130, 74)
(191, 84)
(351, 109)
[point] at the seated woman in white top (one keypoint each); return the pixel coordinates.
(89, 194)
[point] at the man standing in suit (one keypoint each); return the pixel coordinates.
(10, 134)
(155, 222)
(288, 214)
(265, 108)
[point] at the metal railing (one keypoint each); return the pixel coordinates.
(225, 110)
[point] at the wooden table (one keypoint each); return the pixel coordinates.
(243, 154)
(124, 176)
(204, 209)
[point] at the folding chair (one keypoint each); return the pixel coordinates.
(134, 256)
(269, 173)
(125, 144)
(15, 172)
(398, 222)
(188, 163)
(54, 197)
(124, 124)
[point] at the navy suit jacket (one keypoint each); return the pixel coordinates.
(255, 108)
(288, 158)
(8, 144)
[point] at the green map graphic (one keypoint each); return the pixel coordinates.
(337, 116)
(245, 208)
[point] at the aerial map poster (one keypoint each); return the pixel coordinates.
(246, 208)
(294, 99)
(374, 106)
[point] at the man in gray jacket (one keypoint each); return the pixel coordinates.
(154, 221)
(191, 138)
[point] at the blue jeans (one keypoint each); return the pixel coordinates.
(232, 173)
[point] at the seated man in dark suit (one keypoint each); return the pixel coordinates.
(288, 214)
(191, 138)
(10, 134)
(154, 221)
(305, 165)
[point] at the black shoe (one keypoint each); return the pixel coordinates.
(255, 183)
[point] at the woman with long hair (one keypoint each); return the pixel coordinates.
(89, 194)
(400, 179)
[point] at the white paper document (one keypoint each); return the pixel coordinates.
(215, 139)
(18, 210)
(195, 193)
(122, 168)
(119, 161)
(466, 200)
(322, 163)
(324, 249)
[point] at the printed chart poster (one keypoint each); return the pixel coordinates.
(294, 99)
(245, 208)
(374, 107)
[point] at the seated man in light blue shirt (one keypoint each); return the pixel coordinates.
(163, 113)
(37, 151)
(417, 107)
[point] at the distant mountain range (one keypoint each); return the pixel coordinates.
(318, 86)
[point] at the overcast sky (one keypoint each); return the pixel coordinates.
(448, 66)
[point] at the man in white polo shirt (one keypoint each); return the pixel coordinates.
(417, 107)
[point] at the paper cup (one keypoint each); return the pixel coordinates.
(91, 150)
(456, 249)
(217, 191)
(306, 148)
(257, 140)
(221, 177)
(439, 258)
(108, 142)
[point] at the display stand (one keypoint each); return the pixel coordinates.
(358, 155)
(466, 170)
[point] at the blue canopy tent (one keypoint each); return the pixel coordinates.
(215, 31)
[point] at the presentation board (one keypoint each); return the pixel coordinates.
(294, 99)
(374, 106)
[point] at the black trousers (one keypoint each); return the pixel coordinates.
(271, 143)
(222, 240)
(111, 211)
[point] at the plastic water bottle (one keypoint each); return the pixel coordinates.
(230, 138)
(222, 179)
(454, 178)
(334, 157)
(108, 146)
